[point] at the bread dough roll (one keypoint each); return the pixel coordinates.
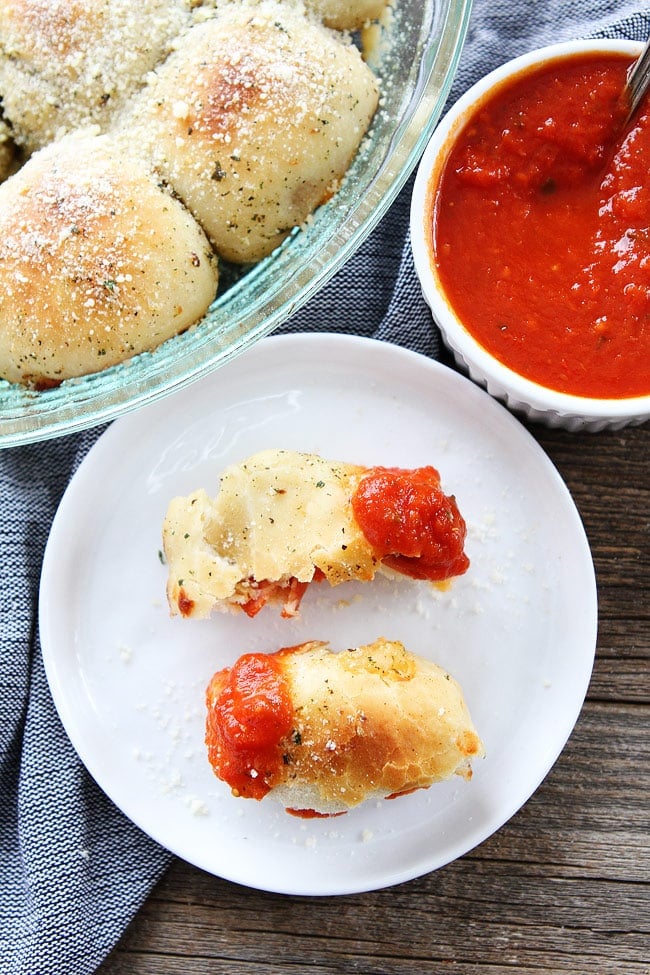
(66, 63)
(321, 731)
(283, 519)
(97, 263)
(347, 14)
(342, 15)
(253, 120)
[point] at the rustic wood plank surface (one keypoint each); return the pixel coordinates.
(563, 887)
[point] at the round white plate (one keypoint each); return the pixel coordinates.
(518, 630)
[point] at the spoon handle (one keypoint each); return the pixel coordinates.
(638, 79)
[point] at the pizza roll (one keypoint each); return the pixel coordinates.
(97, 263)
(66, 64)
(340, 15)
(253, 120)
(283, 519)
(321, 732)
(346, 15)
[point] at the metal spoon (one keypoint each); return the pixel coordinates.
(638, 80)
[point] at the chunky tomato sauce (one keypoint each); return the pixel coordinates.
(413, 526)
(249, 713)
(541, 228)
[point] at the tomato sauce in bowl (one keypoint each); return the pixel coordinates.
(536, 225)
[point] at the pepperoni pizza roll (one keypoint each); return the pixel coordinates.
(342, 15)
(283, 519)
(69, 63)
(97, 263)
(321, 732)
(254, 119)
(347, 15)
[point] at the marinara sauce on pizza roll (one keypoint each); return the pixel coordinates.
(321, 732)
(283, 519)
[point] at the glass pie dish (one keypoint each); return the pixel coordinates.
(416, 58)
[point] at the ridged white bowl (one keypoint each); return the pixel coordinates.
(536, 402)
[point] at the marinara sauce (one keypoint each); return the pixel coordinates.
(541, 228)
(249, 713)
(413, 526)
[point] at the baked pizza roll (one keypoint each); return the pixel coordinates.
(340, 15)
(253, 120)
(321, 732)
(347, 14)
(97, 263)
(68, 63)
(284, 519)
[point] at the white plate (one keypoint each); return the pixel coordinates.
(518, 630)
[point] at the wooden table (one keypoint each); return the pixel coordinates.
(563, 887)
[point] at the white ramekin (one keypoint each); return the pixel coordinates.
(536, 402)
